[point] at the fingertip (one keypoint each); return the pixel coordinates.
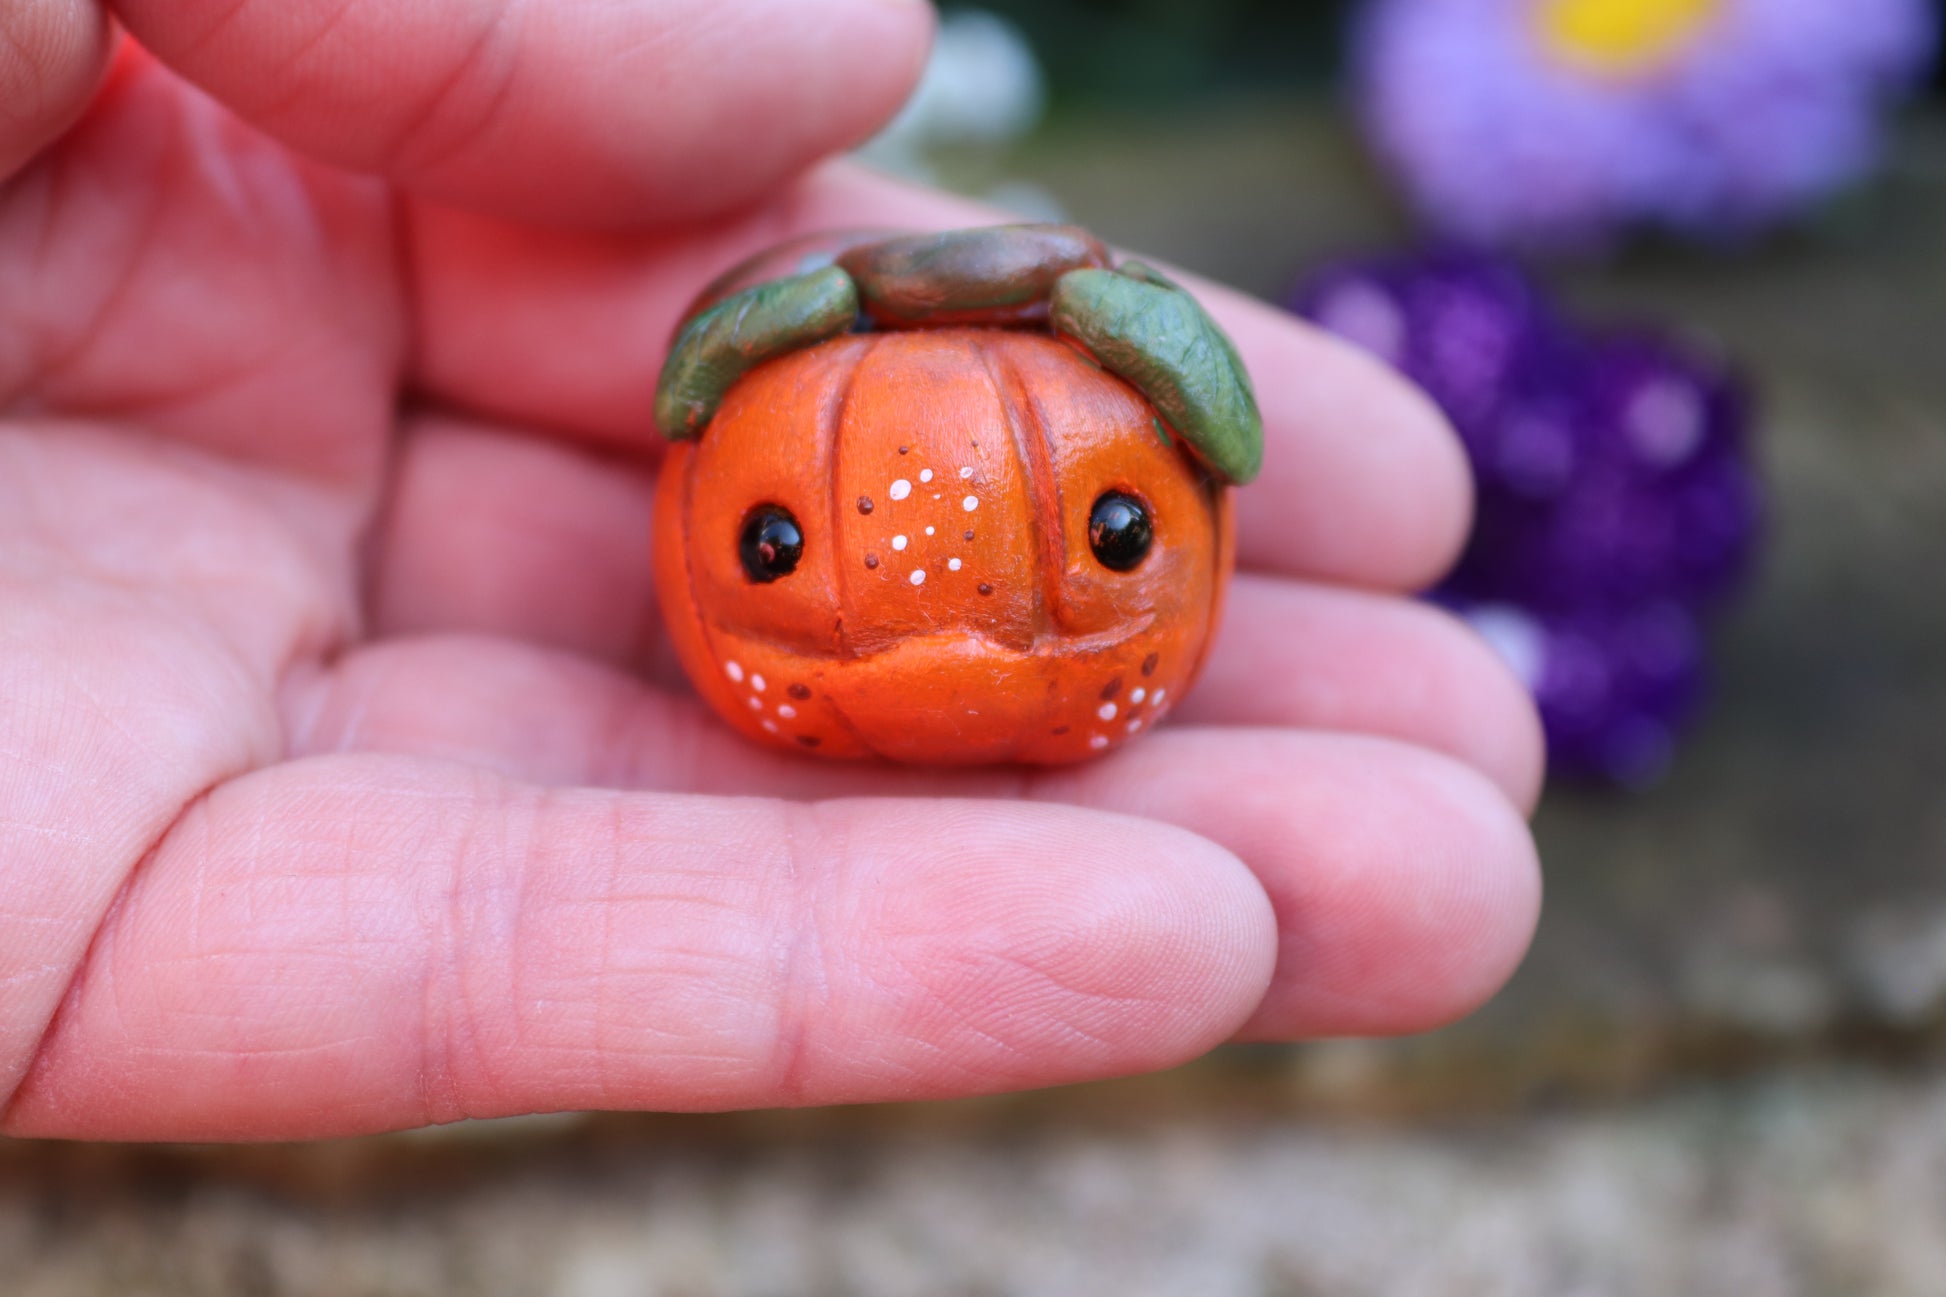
(1431, 537)
(902, 31)
(1511, 748)
(1052, 944)
(1316, 657)
(1490, 895)
(1401, 492)
(1445, 904)
(618, 115)
(52, 56)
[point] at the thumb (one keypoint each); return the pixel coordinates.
(51, 55)
(607, 114)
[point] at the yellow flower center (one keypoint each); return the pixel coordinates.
(1623, 36)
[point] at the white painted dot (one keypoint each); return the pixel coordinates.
(1138, 695)
(929, 531)
(771, 726)
(1156, 701)
(925, 475)
(756, 704)
(733, 670)
(970, 503)
(937, 496)
(1106, 711)
(901, 489)
(1135, 725)
(757, 683)
(1098, 742)
(966, 470)
(787, 711)
(952, 565)
(898, 542)
(918, 576)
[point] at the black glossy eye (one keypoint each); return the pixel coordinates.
(771, 544)
(1119, 531)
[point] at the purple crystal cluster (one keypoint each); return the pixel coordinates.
(1565, 123)
(1617, 502)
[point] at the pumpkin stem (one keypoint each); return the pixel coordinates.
(994, 274)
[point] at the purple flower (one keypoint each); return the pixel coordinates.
(1616, 474)
(1615, 689)
(1561, 123)
(1617, 503)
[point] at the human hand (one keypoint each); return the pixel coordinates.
(332, 794)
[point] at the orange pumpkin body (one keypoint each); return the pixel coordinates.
(947, 607)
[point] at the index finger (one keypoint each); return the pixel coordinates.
(1363, 482)
(52, 53)
(597, 114)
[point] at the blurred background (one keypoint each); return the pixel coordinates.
(1712, 254)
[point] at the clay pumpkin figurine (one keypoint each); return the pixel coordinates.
(948, 498)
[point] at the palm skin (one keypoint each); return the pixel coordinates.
(343, 785)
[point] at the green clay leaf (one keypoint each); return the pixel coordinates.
(733, 337)
(1155, 337)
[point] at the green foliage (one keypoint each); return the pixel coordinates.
(1145, 53)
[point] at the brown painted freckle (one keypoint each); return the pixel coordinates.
(969, 533)
(871, 561)
(799, 692)
(1060, 729)
(905, 450)
(1149, 663)
(864, 504)
(985, 588)
(1110, 689)
(809, 740)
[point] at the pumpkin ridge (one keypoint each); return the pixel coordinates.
(1036, 471)
(845, 723)
(704, 625)
(1053, 519)
(681, 609)
(834, 434)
